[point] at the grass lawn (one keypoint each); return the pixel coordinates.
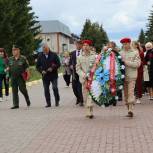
(35, 75)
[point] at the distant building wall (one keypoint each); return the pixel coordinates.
(51, 40)
(57, 42)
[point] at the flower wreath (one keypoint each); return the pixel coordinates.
(108, 78)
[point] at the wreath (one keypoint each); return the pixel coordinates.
(108, 78)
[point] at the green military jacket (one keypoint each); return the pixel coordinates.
(17, 66)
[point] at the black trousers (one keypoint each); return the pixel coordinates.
(119, 94)
(77, 89)
(6, 85)
(67, 79)
(46, 84)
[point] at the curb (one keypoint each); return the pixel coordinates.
(29, 84)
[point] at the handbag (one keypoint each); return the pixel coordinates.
(25, 76)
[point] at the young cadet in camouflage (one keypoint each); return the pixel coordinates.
(84, 62)
(132, 62)
(18, 65)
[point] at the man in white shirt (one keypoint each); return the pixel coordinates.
(76, 85)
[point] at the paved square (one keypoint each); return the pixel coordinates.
(66, 130)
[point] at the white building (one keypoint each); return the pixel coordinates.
(57, 35)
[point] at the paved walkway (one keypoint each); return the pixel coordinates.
(66, 130)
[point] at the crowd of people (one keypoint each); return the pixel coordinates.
(80, 67)
(138, 63)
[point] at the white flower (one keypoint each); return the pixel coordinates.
(90, 64)
(120, 87)
(123, 76)
(96, 89)
(116, 98)
(119, 57)
(88, 74)
(109, 50)
(122, 67)
(148, 63)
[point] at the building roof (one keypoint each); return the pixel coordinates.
(54, 26)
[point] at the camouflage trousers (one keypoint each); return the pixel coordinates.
(88, 101)
(129, 97)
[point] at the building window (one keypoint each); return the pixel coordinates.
(64, 47)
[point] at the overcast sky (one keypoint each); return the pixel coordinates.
(120, 18)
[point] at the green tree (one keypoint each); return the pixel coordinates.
(149, 32)
(19, 26)
(86, 29)
(96, 33)
(141, 38)
(104, 35)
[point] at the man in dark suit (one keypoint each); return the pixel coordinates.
(48, 64)
(76, 85)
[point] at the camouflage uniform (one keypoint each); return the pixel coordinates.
(83, 67)
(17, 67)
(132, 62)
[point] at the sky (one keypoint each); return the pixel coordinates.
(120, 18)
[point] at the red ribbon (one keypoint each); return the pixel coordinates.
(91, 75)
(112, 74)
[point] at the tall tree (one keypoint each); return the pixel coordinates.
(86, 29)
(141, 38)
(104, 35)
(96, 33)
(18, 25)
(149, 32)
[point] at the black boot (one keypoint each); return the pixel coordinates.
(77, 102)
(15, 107)
(57, 103)
(81, 104)
(28, 103)
(48, 106)
(130, 114)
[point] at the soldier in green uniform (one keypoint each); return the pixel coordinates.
(19, 73)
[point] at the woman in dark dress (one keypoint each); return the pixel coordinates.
(139, 81)
(149, 62)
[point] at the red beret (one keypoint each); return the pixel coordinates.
(89, 42)
(125, 40)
